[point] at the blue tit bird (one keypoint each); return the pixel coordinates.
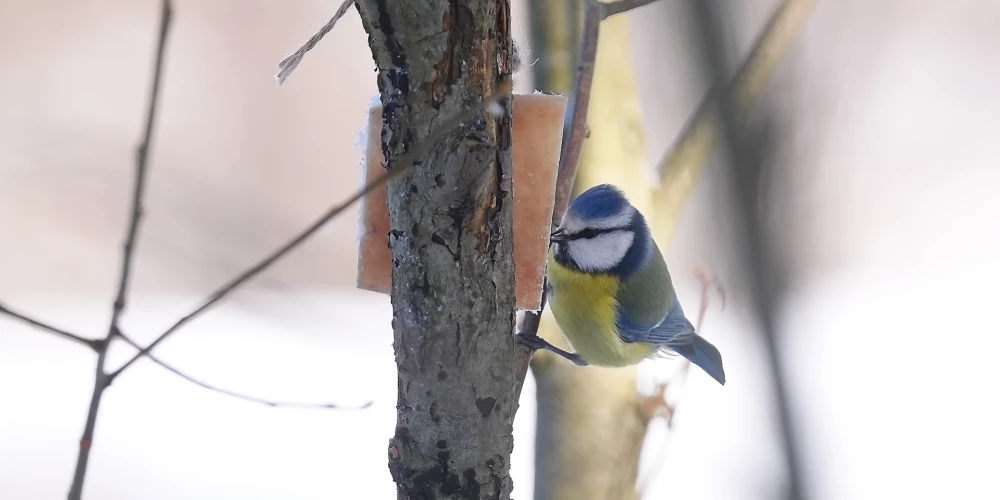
(610, 291)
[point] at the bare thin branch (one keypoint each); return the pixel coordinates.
(401, 166)
(569, 162)
(237, 395)
(288, 64)
(91, 343)
(101, 378)
(141, 168)
(609, 9)
(572, 147)
(708, 282)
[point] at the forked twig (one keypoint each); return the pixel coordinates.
(101, 379)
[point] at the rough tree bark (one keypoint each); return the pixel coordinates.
(453, 279)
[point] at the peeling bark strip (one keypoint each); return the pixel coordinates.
(453, 276)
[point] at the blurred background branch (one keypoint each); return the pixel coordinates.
(609, 9)
(684, 162)
(746, 155)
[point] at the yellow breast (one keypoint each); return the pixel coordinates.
(585, 308)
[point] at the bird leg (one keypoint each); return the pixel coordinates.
(537, 343)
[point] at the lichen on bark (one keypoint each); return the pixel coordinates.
(451, 239)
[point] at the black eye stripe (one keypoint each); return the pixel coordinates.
(589, 233)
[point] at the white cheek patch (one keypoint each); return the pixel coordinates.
(602, 252)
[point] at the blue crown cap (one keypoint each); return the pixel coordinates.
(599, 202)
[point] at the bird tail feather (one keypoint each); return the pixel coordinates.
(703, 354)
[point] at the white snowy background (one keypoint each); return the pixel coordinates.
(888, 328)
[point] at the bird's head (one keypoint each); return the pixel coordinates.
(602, 233)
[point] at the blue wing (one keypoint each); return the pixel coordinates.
(675, 332)
(675, 329)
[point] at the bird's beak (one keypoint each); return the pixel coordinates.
(558, 235)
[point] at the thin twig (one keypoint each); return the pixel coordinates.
(101, 378)
(609, 9)
(288, 64)
(569, 163)
(91, 343)
(141, 168)
(237, 395)
(707, 284)
(572, 147)
(745, 161)
(705, 278)
(401, 166)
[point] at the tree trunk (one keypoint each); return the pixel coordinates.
(590, 429)
(453, 269)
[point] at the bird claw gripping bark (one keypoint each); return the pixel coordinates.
(537, 343)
